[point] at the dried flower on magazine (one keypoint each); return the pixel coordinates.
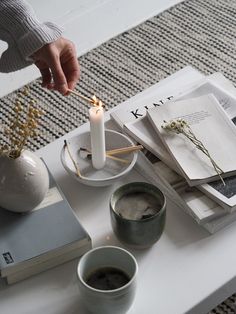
(180, 126)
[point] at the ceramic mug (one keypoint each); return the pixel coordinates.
(132, 230)
(100, 301)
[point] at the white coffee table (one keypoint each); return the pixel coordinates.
(186, 271)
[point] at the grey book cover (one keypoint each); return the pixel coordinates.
(48, 231)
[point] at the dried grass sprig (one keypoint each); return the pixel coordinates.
(22, 126)
(180, 126)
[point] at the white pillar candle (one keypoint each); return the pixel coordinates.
(97, 134)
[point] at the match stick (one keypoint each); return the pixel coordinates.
(90, 100)
(124, 150)
(72, 159)
(117, 151)
(124, 161)
(89, 154)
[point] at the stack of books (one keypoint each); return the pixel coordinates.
(171, 161)
(41, 239)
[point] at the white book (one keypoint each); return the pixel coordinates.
(210, 125)
(217, 224)
(46, 265)
(42, 236)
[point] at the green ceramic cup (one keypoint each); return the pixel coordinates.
(138, 214)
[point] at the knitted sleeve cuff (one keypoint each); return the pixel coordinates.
(25, 33)
(36, 37)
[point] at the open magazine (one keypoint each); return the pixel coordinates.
(201, 159)
(205, 210)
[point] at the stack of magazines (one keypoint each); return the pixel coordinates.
(182, 171)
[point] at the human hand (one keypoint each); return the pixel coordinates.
(58, 64)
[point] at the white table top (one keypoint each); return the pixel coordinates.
(186, 271)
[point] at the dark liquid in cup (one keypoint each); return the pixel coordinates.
(107, 278)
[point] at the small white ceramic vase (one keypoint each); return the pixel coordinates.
(24, 182)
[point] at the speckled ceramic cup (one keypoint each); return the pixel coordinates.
(114, 301)
(138, 212)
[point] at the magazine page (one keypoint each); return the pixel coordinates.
(156, 95)
(143, 132)
(224, 195)
(209, 124)
(226, 97)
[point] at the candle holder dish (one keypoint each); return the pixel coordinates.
(78, 148)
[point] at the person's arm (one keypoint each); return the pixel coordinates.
(30, 41)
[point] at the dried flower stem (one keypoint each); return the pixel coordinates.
(180, 126)
(22, 126)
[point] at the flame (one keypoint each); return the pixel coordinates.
(97, 103)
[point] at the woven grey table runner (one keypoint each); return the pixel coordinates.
(200, 33)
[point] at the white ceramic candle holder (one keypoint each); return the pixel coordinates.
(113, 169)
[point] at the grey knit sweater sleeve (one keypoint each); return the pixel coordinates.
(23, 33)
